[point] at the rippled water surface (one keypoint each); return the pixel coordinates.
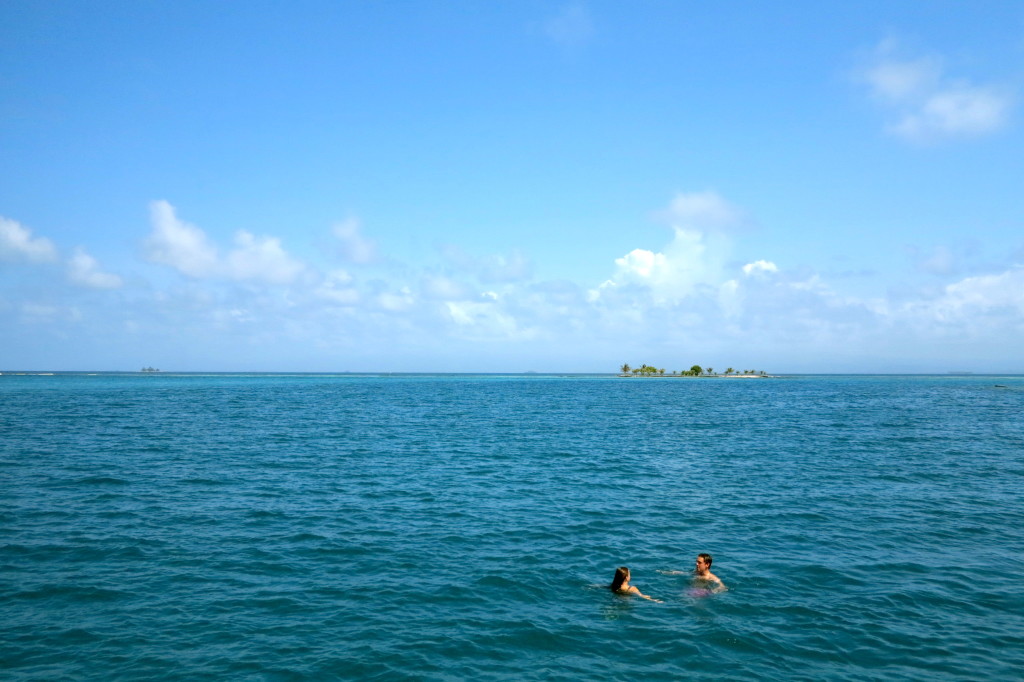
(461, 527)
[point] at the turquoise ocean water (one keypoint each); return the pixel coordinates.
(182, 527)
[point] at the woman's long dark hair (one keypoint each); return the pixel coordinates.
(621, 576)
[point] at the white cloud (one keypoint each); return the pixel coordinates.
(484, 319)
(187, 249)
(443, 288)
(178, 244)
(17, 243)
(926, 105)
(354, 246)
(261, 258)
(571, 27)
(642, 265)
(85, 271)
(759, 267)
(694, 259)
(983, 294)
(812, 283)
(337, 288)
(702, 210)
(897, 81)
(594, 295)
(959, 110)
(398, 302)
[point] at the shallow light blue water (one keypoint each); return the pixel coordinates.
(460, 527)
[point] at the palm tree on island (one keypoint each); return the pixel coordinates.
(695, 371)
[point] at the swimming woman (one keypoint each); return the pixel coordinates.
(620, 584)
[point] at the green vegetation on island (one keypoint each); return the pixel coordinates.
(694, 371)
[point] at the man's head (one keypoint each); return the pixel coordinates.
(703, 562)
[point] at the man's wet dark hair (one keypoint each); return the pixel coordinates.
(706, 558)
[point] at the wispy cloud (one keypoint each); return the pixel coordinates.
(571, 27)
(18, 244)
(42, 313)
(85, 271)
(924, 104)
(338, 288)
(514, 266)
(440, 287)
(355, 248)
(484, 319)
(261, 258)
(702, 211)
(940, 261)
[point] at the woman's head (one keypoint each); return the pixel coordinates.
(621, 576)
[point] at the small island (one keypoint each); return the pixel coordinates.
(149, 369)
(694, 371)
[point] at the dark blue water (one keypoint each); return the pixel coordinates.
(448, 528)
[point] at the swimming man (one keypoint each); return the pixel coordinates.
(702, 572)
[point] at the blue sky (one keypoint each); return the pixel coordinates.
(467, 186)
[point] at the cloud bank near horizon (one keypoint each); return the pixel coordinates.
(689, 293)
